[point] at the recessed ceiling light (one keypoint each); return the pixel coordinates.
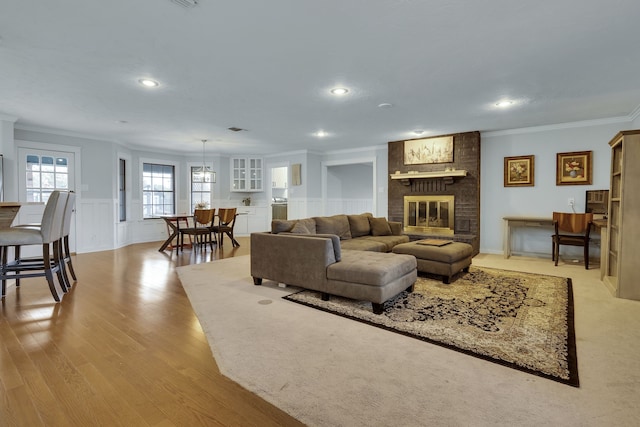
(418, 132)
(339, 91)
(385, 105)
(504, 104)
(122, 122)
(148, 83)
(321, 134)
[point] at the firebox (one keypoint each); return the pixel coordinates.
(429, 214)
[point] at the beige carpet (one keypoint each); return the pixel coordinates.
(327, 370)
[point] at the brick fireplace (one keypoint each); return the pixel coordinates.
(440, 200)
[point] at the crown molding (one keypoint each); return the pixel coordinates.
(120, 143)
(635, 114)
(559, 126)
(358, 150)
(8, 118)
(286, 153)
(61, 132)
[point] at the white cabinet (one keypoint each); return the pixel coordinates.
(246, 174)
(251, 219)
(279, 177)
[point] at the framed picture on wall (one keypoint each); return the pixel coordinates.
(428, 150)
(574, 168)
(296, 174)
(519, 171)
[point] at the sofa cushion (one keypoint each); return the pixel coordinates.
(364, 244)
(304, 226)
(337, 224)
(359, 224)
(370, 268)
(454, 251)
(386, 242)
(379, 226)
(282, 225)
(335, 240)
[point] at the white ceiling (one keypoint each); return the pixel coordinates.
(267, 66)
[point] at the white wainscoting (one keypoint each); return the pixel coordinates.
(99, 229)
(304, 208)
(94, 225)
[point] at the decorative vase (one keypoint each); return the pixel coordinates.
(573, 173)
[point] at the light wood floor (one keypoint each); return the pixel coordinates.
(123, 348)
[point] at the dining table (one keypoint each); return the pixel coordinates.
(173, 227)
(8, 212)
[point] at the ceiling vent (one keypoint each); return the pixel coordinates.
(188, 4)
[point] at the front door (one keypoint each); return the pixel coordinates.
(40, 172)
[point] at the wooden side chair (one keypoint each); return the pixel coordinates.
(201, 230)
(226, 222)
(571, 229)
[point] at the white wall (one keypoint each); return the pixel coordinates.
(375, 154)
(545, 197)
(349, 189)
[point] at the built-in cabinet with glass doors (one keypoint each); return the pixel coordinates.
(246, 174)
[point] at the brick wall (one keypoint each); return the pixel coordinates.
(466, 190)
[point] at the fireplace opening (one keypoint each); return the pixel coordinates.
(429, 214)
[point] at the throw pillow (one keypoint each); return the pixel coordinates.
(380, 227)
(304, 226)
(359, 224)
(281, 226)
(337, 224)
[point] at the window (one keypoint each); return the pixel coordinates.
(122, 189)
(44, 175)
(158, 190)
(201, 186)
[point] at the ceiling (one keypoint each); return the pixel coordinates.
(268, 66)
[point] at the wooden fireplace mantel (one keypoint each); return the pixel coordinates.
(447, 176)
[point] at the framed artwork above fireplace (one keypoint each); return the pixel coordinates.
(428, 150)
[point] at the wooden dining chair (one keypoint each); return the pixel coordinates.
(571, 229)
(226, 222)
(201, 230)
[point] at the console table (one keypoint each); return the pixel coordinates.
(599, 225)
(521, 221)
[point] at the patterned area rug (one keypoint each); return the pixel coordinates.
(520, 320)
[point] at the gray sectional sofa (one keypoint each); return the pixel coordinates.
(360, 232)
(345, 255)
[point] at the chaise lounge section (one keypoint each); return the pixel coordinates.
(311, 253)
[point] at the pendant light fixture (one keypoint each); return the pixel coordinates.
(205, 173)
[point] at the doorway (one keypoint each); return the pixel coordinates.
(349, 186)
(279, 192)
(40, 172)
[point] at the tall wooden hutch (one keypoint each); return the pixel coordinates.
(623, 230)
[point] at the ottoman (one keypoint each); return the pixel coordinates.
(371, 276)
(445, 260)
